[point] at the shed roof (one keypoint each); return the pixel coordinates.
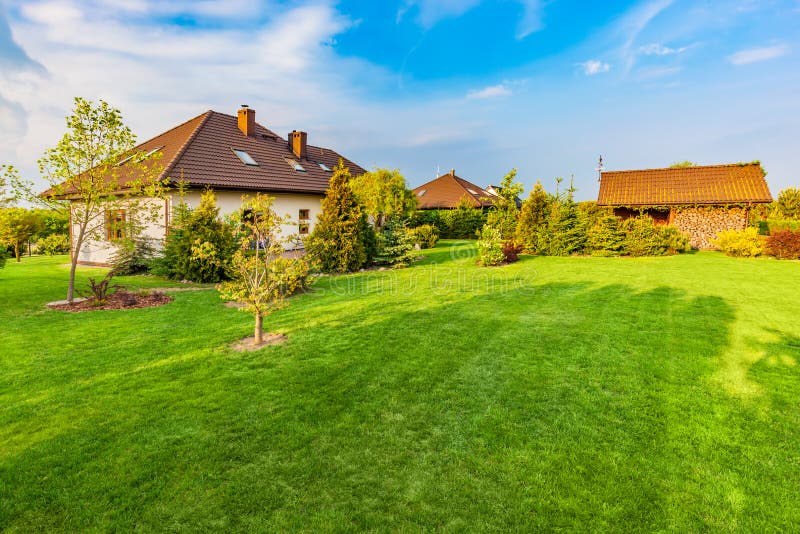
(712, 184)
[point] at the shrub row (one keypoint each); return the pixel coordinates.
(748, 243)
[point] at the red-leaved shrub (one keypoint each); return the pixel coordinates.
(784, 245)
(511, 251)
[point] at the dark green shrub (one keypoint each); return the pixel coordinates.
(565, 231)
(674, 240)
(462, 222)
(784, 245)
(133, 256)
(426, 235)
(53, 245)
(199, 246)
(642, 238)
(606, 237)
(342, 238)
(395, 245)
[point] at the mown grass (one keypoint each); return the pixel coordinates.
(599, 394)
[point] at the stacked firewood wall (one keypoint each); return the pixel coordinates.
(703, 224)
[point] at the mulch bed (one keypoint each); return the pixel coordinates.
(119, 300)
(248, 344)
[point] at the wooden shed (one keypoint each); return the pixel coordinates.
(700, 201)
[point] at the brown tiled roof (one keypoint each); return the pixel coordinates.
(445, 192)
(200, 151)
(714, 184)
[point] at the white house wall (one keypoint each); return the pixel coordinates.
(99, 252)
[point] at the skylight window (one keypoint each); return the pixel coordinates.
(324, 167)
(246, 158)
(472, 191)
(124, 161)
(420, 193)
(296, 166)
(151, 152)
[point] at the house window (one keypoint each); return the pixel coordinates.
(324, 167)
(305, 216)
(115, 225)
(246, 158)
(295, 165)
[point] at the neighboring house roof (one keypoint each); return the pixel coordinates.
(446, 192)
(714, 184)
(201, 152)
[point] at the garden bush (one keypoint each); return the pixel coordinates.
(199, 246)
(784, 245)
(133, 256)
(606, 237)
(395, 244)
(53, 245)
(739, 243)
(511, 251)
(426, 235)
(490, 247)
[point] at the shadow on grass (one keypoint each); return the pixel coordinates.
(545, 406)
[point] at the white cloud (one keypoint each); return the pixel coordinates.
(754, 55)
(592, 67)
(431, 12)
(656, 49)
(492, 91)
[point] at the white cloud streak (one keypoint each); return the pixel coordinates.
(755, 55)
(493, 91)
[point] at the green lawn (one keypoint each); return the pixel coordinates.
(556, 393)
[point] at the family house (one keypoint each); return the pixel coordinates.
(700, 201)
(233, 155)
(447, 191)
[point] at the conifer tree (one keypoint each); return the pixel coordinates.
(532, 218)
(340, 240)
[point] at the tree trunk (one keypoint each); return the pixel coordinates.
(258, 334)
(75, 249)
(16, 251)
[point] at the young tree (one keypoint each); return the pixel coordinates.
(384, 195)
(532, 218)
(17, 226)
(262, 278)
(95, 167)
(503, 215)
(339, 242)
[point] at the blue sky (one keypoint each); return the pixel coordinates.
(479, 86)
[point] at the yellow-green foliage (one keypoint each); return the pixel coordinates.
(490, 247)
(740, 243)
(426, 236)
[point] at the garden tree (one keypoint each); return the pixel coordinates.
(565, 232)
(342, 237)
(503, 214)
(94, 166)
(262, 278)
(199, 245)
(383, 194)
(788, 203)
(532, 218)
(17, 226)
(395, 244)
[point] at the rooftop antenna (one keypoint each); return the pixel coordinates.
(437, 172)
(600, 167)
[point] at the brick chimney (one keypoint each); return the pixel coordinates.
(452, 172)
(297, 143)
(247, 120)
